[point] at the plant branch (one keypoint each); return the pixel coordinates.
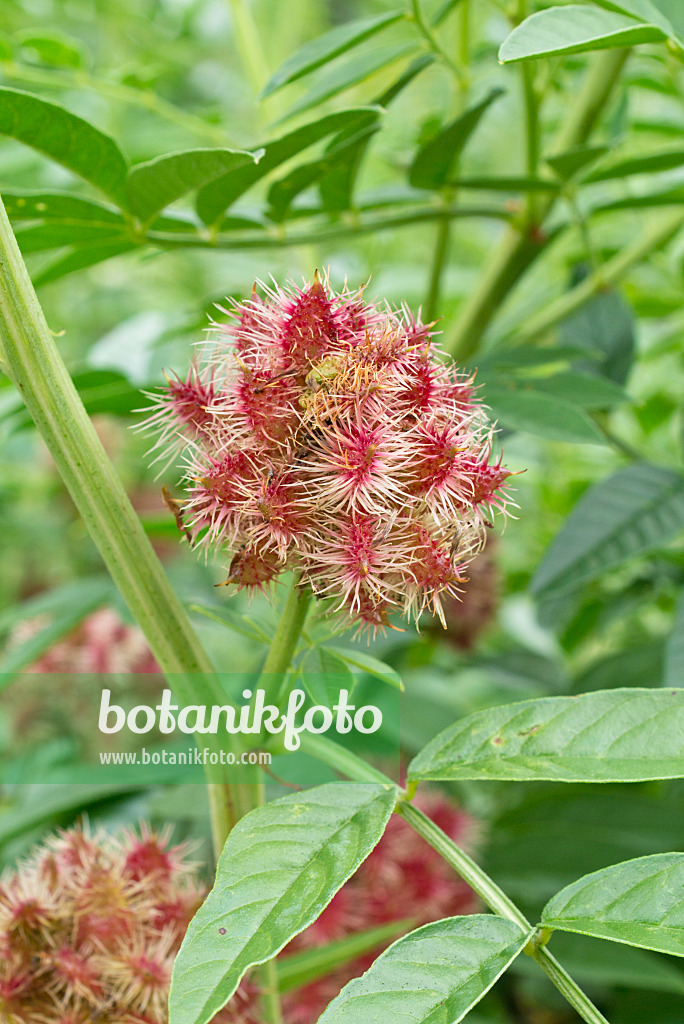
(539, 324)
(497, 900)
(285, 639)
(520, 247)
(416, 15)
(35, 366)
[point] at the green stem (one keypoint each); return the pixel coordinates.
(250, 47)
(518, 248)
(497, 900)
(433, 42)
(341, 759)
(284, 641)
(33, 362)
(438, 261)
(537, 326)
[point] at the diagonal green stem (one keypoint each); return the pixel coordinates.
(33, 362)
(497, 900)
(521, 245)
(285, 640)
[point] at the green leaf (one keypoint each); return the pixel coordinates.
(674, 651)
(639, 902)
(507, 183)
(66, 138)
(574, 29)
(64, 618)
(243, 624)
(605, 326)
(57, 234)
(56, 49)
(653, 163)
(642, 10)
(308, 965)
(58, 206)
(630, 512)
(435, 975)
(366, 663)
(219, 194)
(626, 735)
(584, 389)
(541, 414)
(280, 867)
(353, 71)
(153, 185)
(328, 46)
(81, 258)
(572, 161)
(435, 161)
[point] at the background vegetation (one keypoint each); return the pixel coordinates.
(533, 206)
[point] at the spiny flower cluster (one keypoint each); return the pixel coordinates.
(89, 927)
(323, 433)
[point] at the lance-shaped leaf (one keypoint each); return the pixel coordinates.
(434, 162)
(524, 408)
(58, 206)
(435, 974)
(651, 163)
(66, 138)
(153, 185)
(622, 735)
(328, 46)
(280, 867)
(639, 902)
(575, 29)
(643, 10)
(85, 255)
(219, 194)
(634, 510)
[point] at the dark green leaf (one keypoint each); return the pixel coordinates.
(644, 200)
(630, 512)
(80, 258)
(626, 735)
(355, 70)
(605, 326)
(404, 79)
(280, 867)
(443, 11)
(66, 138)
(218, 195)
(435, 161)
(328, 46)
(639, 902)
(666, 160)
(153, 185)
(674, 652)
(572, 161)
(507, 184)
(584, 389)
(574, 29)
(542, 414)
(308, 965)
(435, 974)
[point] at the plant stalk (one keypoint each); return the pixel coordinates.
(520, 246)
(285, 640)
(34, 364)
(497, 900)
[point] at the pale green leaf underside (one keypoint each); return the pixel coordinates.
(574, 29)
(153, 185)
(328, 46)
(621, 735)
(432, 976)
(280, 867)
(630, 512)
(639, 902)
(674, 651)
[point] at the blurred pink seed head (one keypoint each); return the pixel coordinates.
(323, 433)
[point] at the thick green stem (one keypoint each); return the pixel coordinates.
(520, 246)
(285, 640)
(342, 760)
(33, 362)
(497, 900)
(439, 256)
(538, 325)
